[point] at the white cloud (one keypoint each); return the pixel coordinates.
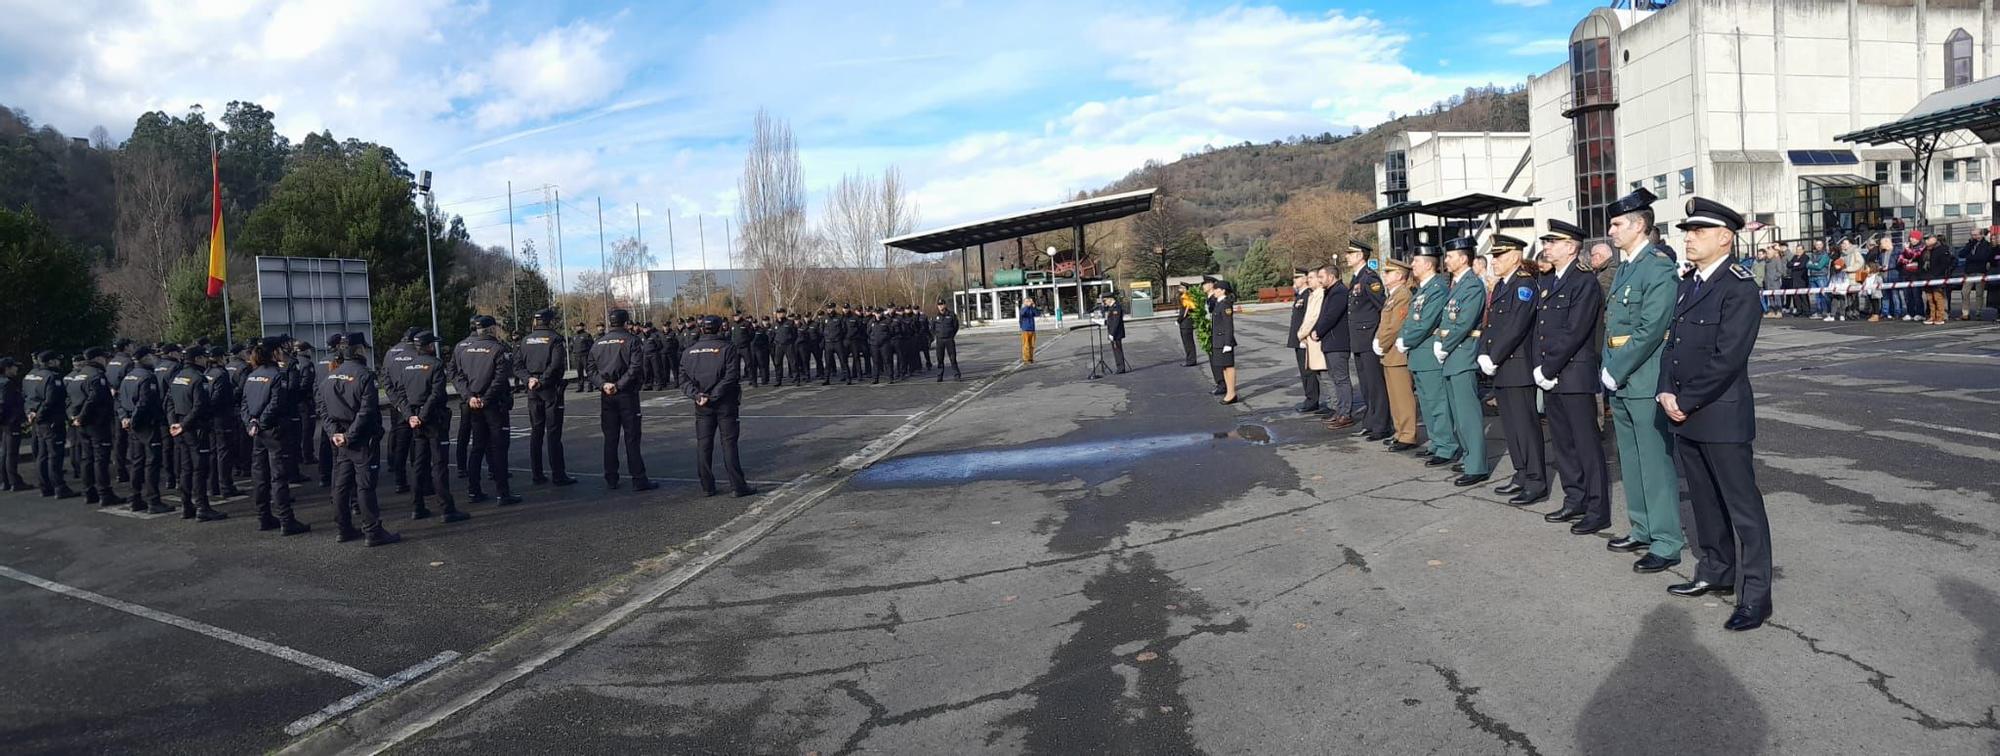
(560, 71)
(1522, 3)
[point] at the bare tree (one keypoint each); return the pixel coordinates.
(1314, 227)
(155, 199)
(101, 139)
(630, 258)
(897, 217)
(850, 230)
(772, 220)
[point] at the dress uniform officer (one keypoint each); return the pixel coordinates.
(190, 423)
(267, 404)
(45, 404)
(398, 453)
(1457, 348)
(580, 342)
(142, 414)
(944, 329)
(784, 340)
(1114, 329)
(13, 414)
(710, 378)
(1568, 339)
(350, 417)
(1506, 353)
(421, 382)
(1416, 340)
(1185, 321)
(115, 366)
(1638, 307)
(223, 427)
(1397, 385)
(1222, 336)
(1366, 298)
(615, 357)
(546, 361)
(483, 373)
(1704, 390)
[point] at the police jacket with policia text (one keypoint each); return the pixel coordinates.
(347, 403)
(616, 357)
(393, 360)
(545, 359)
(187, 397)
(710, 367)
(89, 396)
(482, 367)
(420, 392)
(221, 391)
(267, 398)
(139, 399)
(43, 397)
(1705, 363)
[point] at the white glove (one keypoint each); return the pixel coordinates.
(1604, 374)
(1228, 349)
(1545, 383)
(1401, 347)
(1377, 346)
(1437, 348)
(1486, 365)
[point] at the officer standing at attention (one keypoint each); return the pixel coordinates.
(1366, 297)
(1506, 353)
(833, 347)
(1639, 306)
(670, 357)
(616, 357)
(1185, 319)
(351, 419)
(579, 357)
(547, 365)
(399, 427)
(267, 400)
(94, 414)
(1456, 347)
(1222, 336)
(1301, 304)
(115, 366)
(784, 339)
(1704, 390)
(879, 337)
(483, 373)
(739, 337)
(13, 414)
(190, 418)
(223, 427)
(1114, 329)
(420, 388)
(165, 366)
(320, 369)
(142, 415)
(1396, 381)
(1568, 344)
(649, 355)
(944, 328)
(1415, 341)
(45, 403)
(710, 379)
(857, 342)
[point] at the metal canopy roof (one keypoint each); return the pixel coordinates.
(1066, 215)
(1473, 205)
(1398, 210)
(1838, 179)
(1974, 106)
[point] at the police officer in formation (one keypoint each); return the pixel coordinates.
(944, 328)
(350, 418)
(546, 361)
(1638, 308)
(45, 408)
(483, 375)
(1504, 356)
(190, 407)
(421, 396)
(615, 359)
(13, 414)
(711, 379)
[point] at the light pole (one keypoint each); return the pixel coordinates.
(1055, 292)
(430, 266)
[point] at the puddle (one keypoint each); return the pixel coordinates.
(1091, 461)
(1256, 434)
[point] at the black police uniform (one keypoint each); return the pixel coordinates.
(649, 353)
(547, 362)
(1705, 365)
(163, 368)
(115, 368)
(709, 376)
(143, 415)
(482, 367)
(760, 353)
(319, 371)
(858, 353)
(189, 406)
(13, 414)
(1366, 296)
(616, 356)
(349, 408)
(1569, 340)
(670, 358)
(806, 350)
(420, 388)
(265, 413)
(1114, 329)
(1186, 322)
(880, 335)
(300, 417)
(223, 430)
(784, 340)
(397, 456)
(239, 442)
(944, 328)
(1507, 339)
(579, 358)
(833, 349)
(1308, 382)
(45, 402)
(739, 338)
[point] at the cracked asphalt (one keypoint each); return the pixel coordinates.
(1119, 566)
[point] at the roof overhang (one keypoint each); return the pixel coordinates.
(1474, 204)
(1971, 107)
(1056, 217)
(1837, 180)
(1398, 210)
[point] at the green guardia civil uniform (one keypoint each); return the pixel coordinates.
(1459, 333)
(1427, 305)
(1638, 310)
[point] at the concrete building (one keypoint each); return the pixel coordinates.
(1432, 165)
(1740, 100)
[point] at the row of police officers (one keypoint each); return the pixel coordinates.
(838, 342)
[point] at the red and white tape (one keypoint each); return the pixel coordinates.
(1854, 289)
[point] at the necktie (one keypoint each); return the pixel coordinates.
(1697, 287)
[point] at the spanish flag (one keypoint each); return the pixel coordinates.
(218, 272)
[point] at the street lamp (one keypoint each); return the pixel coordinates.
(1055, 294)
(430, 266)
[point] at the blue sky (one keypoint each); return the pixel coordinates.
(985, 107)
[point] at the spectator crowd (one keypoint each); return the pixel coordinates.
(1888, 275)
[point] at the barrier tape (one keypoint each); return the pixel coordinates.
(1928, 282)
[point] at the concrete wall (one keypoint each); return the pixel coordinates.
(1442, 164)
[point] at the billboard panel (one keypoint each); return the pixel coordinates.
(312, 298)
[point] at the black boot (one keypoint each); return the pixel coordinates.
(206, 513)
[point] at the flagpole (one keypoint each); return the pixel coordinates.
(215, 154)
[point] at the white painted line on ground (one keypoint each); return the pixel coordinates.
(599, 478)
(292, 655)
(1947, 428)
(369, 693)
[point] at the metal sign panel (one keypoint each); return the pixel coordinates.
(312, 298)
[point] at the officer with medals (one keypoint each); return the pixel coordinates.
(1506, 353)
(1366, 298)
(1456, 348)
(1417, 342)
(1396, 381)
(1568, 342)
(1638, 308)
(1704, 391)
(546, 361)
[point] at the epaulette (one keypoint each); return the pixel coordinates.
(1739, 271)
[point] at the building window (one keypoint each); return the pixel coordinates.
(1660, 186)
(1881, 171)
(1907, 212)
(1975, 209)
(1687, 181)
(1950, 211)
(1906, 172)
(1974, 169)
(1594, 138)
(1957, 58)
(1951, 170)
(1396, 172)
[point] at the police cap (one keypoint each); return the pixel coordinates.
(424, 338)
(545, 315)
(96, 352)
(1560, 230)
(1707, 213)
(357, 339)
(1639, 199)
(619, 318)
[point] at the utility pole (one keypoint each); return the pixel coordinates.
(559, 255)
(639, 235)
(600, 260)
(701, 235)
(673, 260)
(513, 269)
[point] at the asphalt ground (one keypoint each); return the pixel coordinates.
(1054, 565)
(78, 675)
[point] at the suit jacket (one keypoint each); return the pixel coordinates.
(1638, 308)
(1459, 330)
(1706, 359)
(1569, 332)
(1366, 298)
(1507, 337)
(1395, 310)
(1426, 311)
(1331, 329)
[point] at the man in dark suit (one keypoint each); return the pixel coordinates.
(1704, 391)
(1114, 329)
(1366, 297)
(1329, 333)
(1301, 295)
(1569, 337)
(1506, 342)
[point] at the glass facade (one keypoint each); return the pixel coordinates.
(1395, 189)
(1831, 206)
(1957, 59)
(1595, 129)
